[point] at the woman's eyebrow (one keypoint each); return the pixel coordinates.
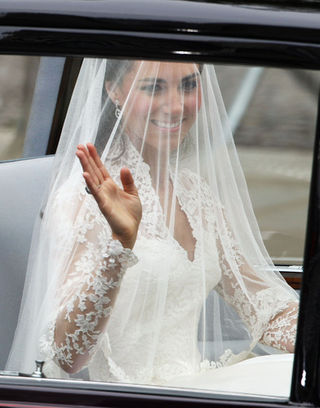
(152, 80)
(161, 80)
(191, 76)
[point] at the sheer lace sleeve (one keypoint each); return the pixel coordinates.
(268, 307)
(91, 275)
(281, 330)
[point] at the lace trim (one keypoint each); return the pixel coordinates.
(254, 298)
(223, 361)
(281, 331)
(85, 313)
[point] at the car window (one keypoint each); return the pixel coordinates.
(29, 100)
(274, 134)
(273, 114)
(17, 78)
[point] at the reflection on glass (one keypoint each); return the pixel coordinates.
(17, 80)
(147, 265)
(274, 136)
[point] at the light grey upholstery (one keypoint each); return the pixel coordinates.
(22, 184)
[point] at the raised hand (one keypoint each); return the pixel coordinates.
(121, 207)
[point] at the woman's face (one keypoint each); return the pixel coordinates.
(162, 102)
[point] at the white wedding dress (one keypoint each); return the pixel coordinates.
(148, 340)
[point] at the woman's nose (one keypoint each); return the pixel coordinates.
(174, 104)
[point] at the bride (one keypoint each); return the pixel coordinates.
(133, 244)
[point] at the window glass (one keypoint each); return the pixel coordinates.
(273, 113)
(177, 290)
(17, 82)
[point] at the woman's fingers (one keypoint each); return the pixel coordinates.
(96, 158)
(95, 172)
(127, 181)
(92, 186)
(95, 189)
(90, 165)
(94, 167)
(86, 166)
(83, 160)
(121, 208)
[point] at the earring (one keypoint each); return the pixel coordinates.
(117, 111)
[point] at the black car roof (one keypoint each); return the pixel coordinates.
(277, 4)
(222, 31)
(299, 21)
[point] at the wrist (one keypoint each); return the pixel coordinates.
(126, 243)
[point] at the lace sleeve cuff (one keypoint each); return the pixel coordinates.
(116, 255)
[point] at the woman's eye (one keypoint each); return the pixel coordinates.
(188, 86)
(152, 88)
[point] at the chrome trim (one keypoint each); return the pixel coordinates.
(136, 389)
(294, 269)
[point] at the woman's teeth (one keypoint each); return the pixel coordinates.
(170, 125)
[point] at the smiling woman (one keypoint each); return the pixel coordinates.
(130, 246)
(175, 95)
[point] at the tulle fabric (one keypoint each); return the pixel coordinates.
(199, 290)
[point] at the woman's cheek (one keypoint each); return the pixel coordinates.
(194, 103)
(142, 109)
(199, 100)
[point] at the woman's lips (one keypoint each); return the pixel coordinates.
(167, 125)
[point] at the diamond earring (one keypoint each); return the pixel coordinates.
(117, 111)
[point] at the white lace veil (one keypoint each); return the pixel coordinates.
(203, 287)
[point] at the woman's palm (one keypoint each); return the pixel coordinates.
(121, 207)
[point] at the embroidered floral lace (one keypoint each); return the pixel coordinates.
(86, 330)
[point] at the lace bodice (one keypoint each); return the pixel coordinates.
(117, 315)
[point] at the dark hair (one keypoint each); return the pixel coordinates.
(115, 71)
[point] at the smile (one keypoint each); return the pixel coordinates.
(167, 125)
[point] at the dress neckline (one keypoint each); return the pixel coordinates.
(141, 171)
